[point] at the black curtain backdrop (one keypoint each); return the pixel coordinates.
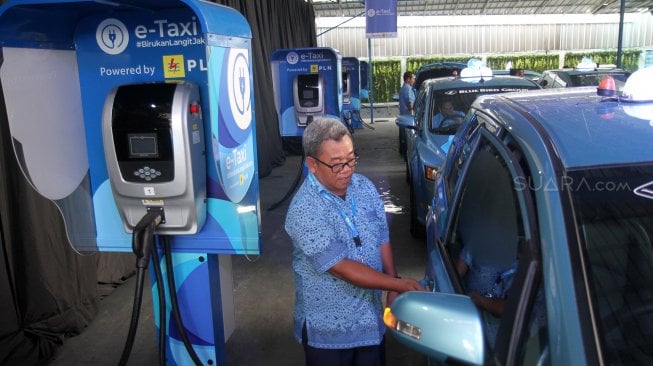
(48, 291)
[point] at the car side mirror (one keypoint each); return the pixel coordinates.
(447, 327)
(544, 83)
(406, 121)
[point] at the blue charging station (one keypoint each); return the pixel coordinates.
(351, 103)
(122, 109)
(307, 84)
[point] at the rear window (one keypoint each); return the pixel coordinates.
(594, 79)
(614, 216)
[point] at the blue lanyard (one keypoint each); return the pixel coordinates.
(333, 200)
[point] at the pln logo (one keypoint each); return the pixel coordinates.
(173, 66)
(112, 36)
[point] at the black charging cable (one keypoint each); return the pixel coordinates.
(162, 305)
(175, 305)
(142, 245)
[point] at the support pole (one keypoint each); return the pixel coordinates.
(622, 10)
(370, 83)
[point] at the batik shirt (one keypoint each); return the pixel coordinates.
(337, 314)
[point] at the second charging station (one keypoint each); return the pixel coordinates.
(307, 85)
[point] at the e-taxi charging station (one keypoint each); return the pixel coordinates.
(351, 103)
(136, 118)
(307, 84)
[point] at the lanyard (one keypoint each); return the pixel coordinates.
(333, 200)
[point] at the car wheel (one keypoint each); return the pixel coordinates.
(417, 230)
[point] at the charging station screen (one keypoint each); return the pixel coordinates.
(310, 95)
(309, 84)
(143, 145)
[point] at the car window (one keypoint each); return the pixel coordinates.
(614, 215)
(491, 246)
(594, 78)
(457, 105)
(461, 149)
(420, 102)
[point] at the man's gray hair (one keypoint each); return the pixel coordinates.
(320, 130)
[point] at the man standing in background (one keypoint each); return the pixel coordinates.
(406, 103)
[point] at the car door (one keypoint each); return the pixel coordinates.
(492, 221)
(411, 135)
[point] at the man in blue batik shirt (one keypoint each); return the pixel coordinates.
(342, 256)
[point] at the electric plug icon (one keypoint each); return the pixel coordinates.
(241, 81)
(112, 37)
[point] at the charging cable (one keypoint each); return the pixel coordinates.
(142, 245)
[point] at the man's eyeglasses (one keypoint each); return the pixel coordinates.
(337, 168)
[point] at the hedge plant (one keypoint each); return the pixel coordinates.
(388, 78)
(414, 63)
(629, 58)
(533, 62)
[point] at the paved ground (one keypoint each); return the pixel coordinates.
(264, 286)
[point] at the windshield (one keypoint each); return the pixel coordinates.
(614, 214)
(594, 79)
(449, 106)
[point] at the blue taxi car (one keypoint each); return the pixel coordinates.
(546, 197)
(440, 107)
(586, 73)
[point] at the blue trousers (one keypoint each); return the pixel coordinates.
(359, 356)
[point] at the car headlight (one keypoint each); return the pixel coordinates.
(430, 172)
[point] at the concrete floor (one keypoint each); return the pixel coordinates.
(264, 286)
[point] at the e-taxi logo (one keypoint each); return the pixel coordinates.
(113, 37)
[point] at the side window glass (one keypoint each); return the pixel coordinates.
(535, 350)
(461, 148)
(420, 106)
(486, 235)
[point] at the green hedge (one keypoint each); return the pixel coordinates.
(533, 62)
(387, 78)
(629, 58)
(387, 73)
(414, 63)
